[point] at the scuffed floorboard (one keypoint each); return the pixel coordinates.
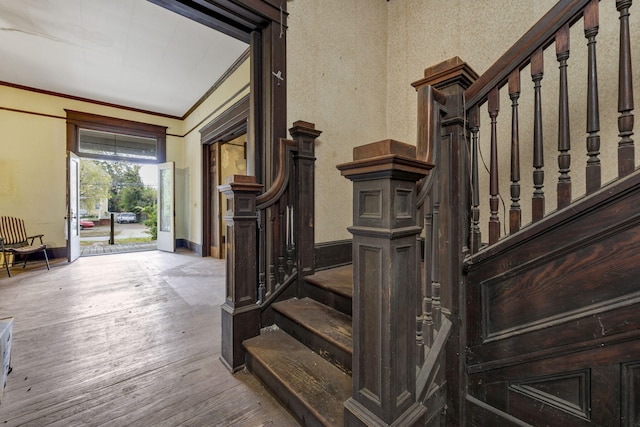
(125, 340)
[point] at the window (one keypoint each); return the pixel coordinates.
(108, 138)
(117, 145)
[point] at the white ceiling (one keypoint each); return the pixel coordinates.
(126, 52)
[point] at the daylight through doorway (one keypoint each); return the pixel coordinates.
(119, 196)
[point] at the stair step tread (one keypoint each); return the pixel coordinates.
(324, 321)
(318, 385)
(338, 280)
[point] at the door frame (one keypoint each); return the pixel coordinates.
(227, 126)
(262, 24)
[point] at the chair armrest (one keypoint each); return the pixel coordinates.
(40, 236)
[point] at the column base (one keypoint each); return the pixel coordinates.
(238, 325)
(356, 415)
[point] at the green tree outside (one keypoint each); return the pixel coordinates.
(95, 185)
(127, 193)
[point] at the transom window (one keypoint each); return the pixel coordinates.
(108, 138)
(117, 145)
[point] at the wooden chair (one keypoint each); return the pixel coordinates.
(14, 240)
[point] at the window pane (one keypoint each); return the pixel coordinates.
(118, 145)
(166, 207)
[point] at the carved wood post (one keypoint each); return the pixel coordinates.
(384, 176)
(240, 313)
(453, 77)
(305, 134)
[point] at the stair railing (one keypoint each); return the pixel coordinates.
(285, 215)
(428, 319)
(270, 239)
(432, 325)
(552, 29)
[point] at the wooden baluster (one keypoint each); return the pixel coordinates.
(262, 287)
(427, 296)
(420, 308)
(537, 202)
(593, 173)
(435, 247)
(494, 218)
(290, 239)
(474, 127)
(515, 214)
(281, 231)
(564, 133)
(269, 256)
(626, 156)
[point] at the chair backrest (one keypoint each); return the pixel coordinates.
(12, 230)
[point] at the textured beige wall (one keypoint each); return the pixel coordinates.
(341, 55)
(607, 50)
(33, 159)
(423, 33)
(337, 79)
(479, 35)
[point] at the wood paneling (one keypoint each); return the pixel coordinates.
(554, 337)
(333, 254)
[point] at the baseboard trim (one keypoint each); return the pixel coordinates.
(193, 247)
(333, 254)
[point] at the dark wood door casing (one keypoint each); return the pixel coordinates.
(225, 127)
(262, 24)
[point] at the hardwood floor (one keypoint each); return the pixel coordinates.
(125, 340)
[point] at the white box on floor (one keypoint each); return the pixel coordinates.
(6, 332)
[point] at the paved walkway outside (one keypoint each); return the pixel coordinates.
(98, 237)
(105, 249)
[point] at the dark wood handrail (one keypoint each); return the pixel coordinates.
(541, 35)
(428, 132)
(272, 195)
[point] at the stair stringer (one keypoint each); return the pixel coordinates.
(431, 383)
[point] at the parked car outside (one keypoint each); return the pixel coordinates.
(126, 217)
(84, 223)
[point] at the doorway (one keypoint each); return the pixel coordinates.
(224, 152)
(122, 192)
(227, 159)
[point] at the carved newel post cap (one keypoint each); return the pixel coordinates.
(385, 158)
(240, 183)
(240, 179)
(305, 128)
(453, 70)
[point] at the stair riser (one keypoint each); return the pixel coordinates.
(334, 354)
(333, 300)
(302, 413)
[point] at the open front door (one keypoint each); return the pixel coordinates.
(73, 204)
(166, 207)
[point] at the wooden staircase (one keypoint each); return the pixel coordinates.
(305, 358)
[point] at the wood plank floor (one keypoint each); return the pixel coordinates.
(125, 340)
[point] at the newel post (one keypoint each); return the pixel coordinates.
(240, 313)
(305, 134)
(452, 78)
(385, 228)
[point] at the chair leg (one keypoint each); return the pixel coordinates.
(25, 261)
(6, 263)
(46, 258)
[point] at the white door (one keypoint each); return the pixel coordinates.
(166, 207)
(73, 205)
